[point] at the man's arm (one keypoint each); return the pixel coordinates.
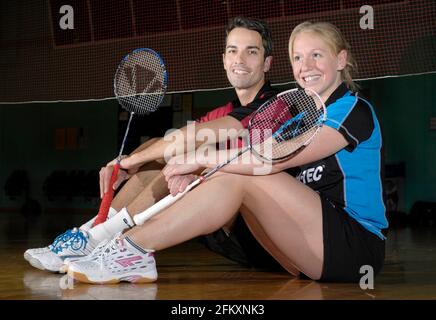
(145, 145)
(154, 150)
(184, 139)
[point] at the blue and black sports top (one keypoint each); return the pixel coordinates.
(351, 178)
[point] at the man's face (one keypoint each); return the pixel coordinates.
(244, 59)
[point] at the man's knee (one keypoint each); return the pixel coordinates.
(145, 177)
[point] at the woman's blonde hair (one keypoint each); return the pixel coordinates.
(335, 40)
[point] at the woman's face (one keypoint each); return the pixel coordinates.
(314, 64)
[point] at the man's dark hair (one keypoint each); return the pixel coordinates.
(255, 25)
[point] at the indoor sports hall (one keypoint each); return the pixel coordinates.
(61, 121)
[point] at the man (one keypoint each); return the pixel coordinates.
(246, 59)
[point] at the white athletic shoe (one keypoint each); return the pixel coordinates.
(30, 254)
(119, 260)
(96, 252)
(71, 244)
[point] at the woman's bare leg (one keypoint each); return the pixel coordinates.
(289, 212)
(291, 216)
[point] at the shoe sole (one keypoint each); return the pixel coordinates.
(132, 279)
(63, 269)
(66, 265)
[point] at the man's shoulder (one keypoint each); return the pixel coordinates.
(218, 112)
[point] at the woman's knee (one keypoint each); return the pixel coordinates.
(232, 181)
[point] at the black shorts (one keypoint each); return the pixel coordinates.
(347, 246)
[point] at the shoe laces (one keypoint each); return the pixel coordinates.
(60, 239)
(98, 250)
(116, 244)
(77, 240)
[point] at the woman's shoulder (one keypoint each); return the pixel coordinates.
(353, 102)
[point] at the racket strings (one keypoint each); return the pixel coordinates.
(140, 82)
(285, 124)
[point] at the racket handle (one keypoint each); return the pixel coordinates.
(140, 218)
(107, 198)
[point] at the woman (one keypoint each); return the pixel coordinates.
(326, 223)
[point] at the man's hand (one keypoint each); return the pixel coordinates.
(106, 173)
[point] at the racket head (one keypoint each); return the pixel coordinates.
(285, 124)
(141, 81)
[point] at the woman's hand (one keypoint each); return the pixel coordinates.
(172, 170)
(181, 165)
(179, 183)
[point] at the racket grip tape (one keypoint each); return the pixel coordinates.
(107, 198)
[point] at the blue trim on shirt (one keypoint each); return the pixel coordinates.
(361, 167)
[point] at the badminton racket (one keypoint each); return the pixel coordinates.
(140, 84)
(278, 129)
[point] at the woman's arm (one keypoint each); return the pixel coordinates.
(327, 142)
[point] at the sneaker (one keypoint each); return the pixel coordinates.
(30, 254)
(72, 244)
(120, 260)
(95, 253)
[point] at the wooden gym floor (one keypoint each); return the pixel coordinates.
(189, 271)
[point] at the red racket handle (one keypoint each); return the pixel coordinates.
(107, 198)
